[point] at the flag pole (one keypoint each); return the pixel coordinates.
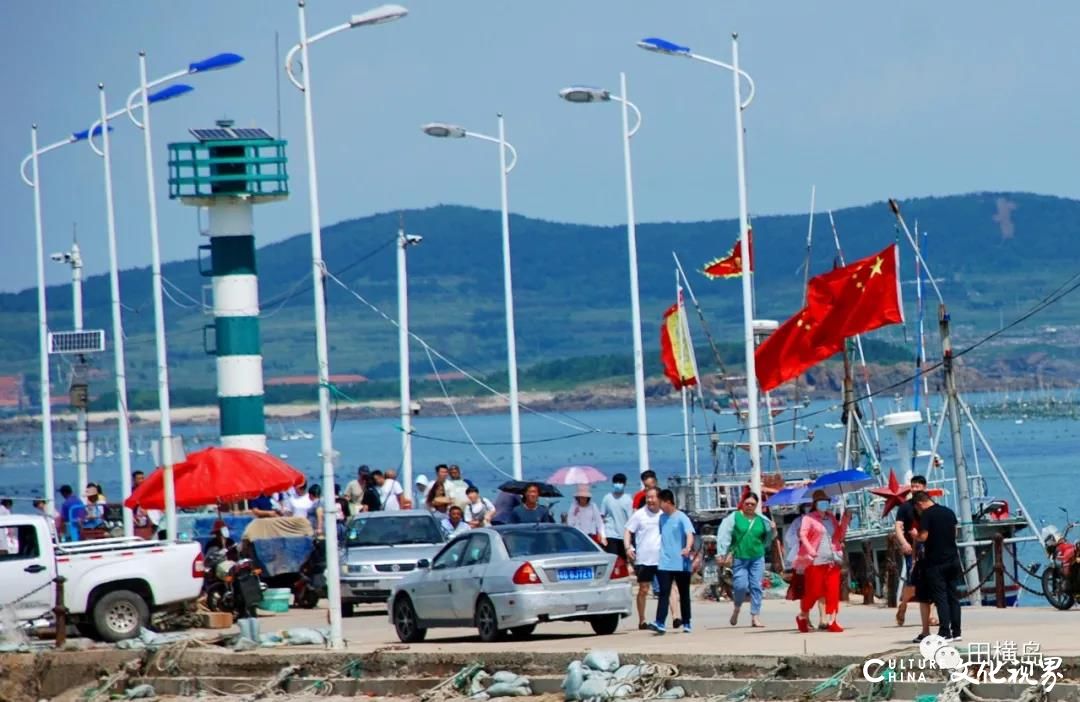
(862, 361)
(682, 346)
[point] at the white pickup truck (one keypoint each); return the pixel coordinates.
(110, 585)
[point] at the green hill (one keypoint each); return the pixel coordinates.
(994, 254)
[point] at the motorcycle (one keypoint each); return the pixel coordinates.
(232, 585)
(1061, 579)
(311, 585)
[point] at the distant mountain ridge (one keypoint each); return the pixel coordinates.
(993, 253)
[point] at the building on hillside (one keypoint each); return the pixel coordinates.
(13, 398)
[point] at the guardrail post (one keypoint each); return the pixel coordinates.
(892, 570)
(868, 574)
(60, 612)
(999, 570)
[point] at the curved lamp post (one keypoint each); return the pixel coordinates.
(662, 46)
(215, 62)
(453, 131)
(124, 448)
(378, 15)
(32, 180)
(583, 94)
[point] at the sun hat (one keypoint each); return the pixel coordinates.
(583, 491)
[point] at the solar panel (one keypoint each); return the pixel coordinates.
(77, 341)
(252, 133)
(211, 134)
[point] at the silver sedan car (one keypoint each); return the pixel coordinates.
(380, 549)
(508, 579)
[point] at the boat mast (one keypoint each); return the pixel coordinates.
(952, 407)
(851, 416)
(806, 282)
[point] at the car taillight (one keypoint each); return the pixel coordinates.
(526, 575)
(620, 570)
(198, 568)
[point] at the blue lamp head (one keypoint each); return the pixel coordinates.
(215, 62)
(663, 46)
(173, 91)
(79, 136)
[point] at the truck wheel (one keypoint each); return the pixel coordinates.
(119, 615)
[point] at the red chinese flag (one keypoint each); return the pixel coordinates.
(865, 295)
(845, 302)
(730, 266)
(675, 351)
(794, 347)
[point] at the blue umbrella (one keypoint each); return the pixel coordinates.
(788, 496)
(842, 481)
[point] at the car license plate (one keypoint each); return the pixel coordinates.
(575, 573)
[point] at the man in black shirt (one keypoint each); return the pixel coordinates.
(905, 524)
(941, 562)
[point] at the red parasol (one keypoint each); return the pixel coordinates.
(215, 475)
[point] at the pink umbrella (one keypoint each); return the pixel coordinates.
(576, 475)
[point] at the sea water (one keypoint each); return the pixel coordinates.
(1040, 454)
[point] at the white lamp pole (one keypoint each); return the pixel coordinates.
(43, 322)
(384, 13)
(124, 441)
(404, 241)
(666, 47)
(164, 404)
(440, 129)
(584, 94)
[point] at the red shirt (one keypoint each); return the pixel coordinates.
(639, 499)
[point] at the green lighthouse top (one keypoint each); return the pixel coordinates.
(227, 162)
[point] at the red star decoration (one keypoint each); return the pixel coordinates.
(894, 494)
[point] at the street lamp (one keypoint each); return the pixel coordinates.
(404, 241)
(32, 179)
(378, 15)
(124, 448)
(662, 46)
(215, 62)
(443, 130)
(583, 94)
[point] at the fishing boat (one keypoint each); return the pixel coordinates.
(988, 523)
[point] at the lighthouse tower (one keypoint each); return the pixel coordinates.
(228, 171)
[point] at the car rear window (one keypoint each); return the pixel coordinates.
(544, 542)
(394, 531)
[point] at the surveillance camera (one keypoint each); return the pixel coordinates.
(58, 257)
(413, 239)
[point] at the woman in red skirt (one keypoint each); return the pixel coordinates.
(821, 551)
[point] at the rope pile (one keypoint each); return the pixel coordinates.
(747, 691)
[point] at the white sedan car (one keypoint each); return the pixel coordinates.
(508, 579)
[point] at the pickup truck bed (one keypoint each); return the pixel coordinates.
(111, 585)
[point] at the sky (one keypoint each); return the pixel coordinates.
(862, 100)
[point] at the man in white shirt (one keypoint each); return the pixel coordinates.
(644, 526)
(389, 491)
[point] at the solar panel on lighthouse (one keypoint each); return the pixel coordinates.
(229, 134)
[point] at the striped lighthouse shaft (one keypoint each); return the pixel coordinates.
(236, 324)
